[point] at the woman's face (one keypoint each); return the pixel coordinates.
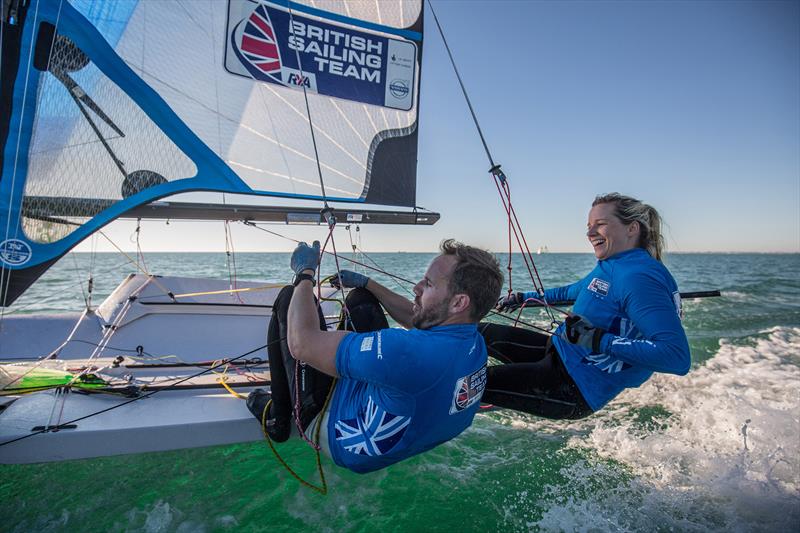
(607, 234)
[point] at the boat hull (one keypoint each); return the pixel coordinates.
(170, 420)
(173, 351)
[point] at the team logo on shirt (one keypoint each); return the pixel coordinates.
(469, 390)
(599, 286)
(366, 344)
(676, 299)
(374, 431)
(605, 363)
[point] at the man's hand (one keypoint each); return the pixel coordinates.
(510, 302)
(580, 331)
(305, 257)
(349, 279)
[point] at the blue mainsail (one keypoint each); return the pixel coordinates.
(111, 105)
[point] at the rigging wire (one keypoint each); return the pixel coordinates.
(92, 258)
(499, 178)
(112, 328)
(461, 83)
(343, 258)
(80, 281)
(359, 251)
(498, 175)
(139, 253)
(136, 264)
(230, 254)
(59, 294)
(395, 276)
(143, 396)
(308, 114)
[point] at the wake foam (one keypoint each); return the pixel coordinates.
(717, 449)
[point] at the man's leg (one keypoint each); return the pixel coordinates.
(366, 313)
(309, 386)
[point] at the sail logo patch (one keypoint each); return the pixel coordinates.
(15, 252)
(327, 54)
(399, 88)
(599, 286)
(299, 79)
(468, 391)
(258, 44)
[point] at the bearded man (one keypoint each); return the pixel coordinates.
(391, 392)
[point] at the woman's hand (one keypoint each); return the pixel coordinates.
(580, 331)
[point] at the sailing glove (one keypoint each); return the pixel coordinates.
(349, 279)
(580, 331)
(510, 302)
(305, 257)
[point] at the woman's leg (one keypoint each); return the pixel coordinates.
(534, 379)
(513, 345)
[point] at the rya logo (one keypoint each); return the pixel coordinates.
(299, 80)
(15, 252)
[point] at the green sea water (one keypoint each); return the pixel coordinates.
(718, 449)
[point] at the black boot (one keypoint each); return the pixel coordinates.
(278, 429)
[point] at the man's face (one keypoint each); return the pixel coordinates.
(432, 294)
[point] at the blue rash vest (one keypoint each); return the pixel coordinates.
(635, 299)
(402, 392)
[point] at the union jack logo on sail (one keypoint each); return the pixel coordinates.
(373, 432)
(259, 45)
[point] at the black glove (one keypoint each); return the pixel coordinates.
(349, 279)
(580, 331)
(510, 302)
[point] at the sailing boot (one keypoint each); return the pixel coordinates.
(278, 428)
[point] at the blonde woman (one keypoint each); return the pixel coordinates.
(625, 324)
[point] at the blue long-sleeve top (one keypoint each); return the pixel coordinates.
(636, 300)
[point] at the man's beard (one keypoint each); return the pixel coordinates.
(428, 318)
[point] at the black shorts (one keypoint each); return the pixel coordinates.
(532, 377)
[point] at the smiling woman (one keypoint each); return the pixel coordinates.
(618, 223)
(626, 323)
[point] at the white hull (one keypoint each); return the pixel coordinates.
(165, 421)
(193, 413)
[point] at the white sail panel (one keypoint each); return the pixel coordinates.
(261, 129)
(109, 105)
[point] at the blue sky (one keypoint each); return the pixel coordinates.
(693, 107)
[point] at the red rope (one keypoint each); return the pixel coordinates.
(332, 241)
(533, 264)
(504, 190)
(516, 235)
